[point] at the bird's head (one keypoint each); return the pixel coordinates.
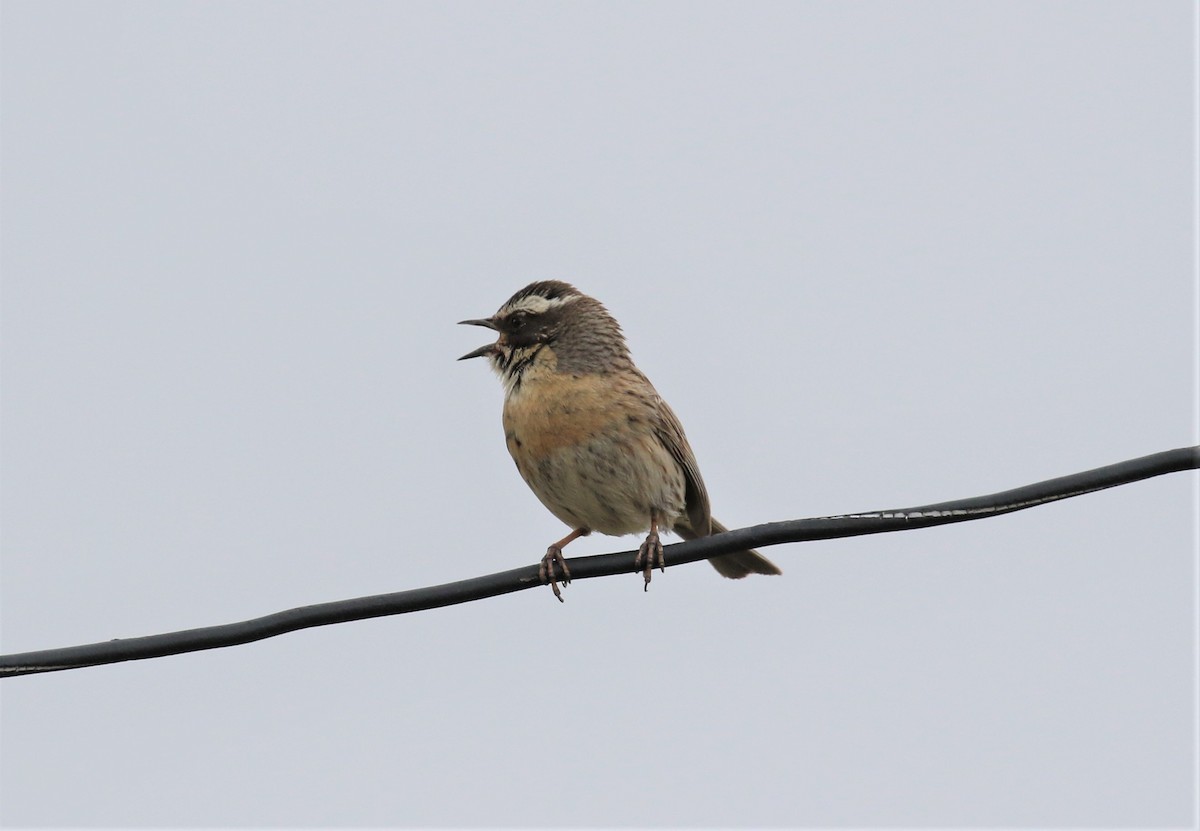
(550, 315)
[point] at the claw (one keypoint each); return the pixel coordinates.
(548, 568)
(649, 554)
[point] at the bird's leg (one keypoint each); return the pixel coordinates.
(650, 554)
(554, 560)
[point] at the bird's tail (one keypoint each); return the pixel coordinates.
(735, 565)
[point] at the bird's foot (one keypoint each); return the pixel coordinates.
(648, 556)
(551, 564)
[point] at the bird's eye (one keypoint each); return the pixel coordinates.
(517, 321)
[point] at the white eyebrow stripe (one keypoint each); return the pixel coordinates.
(535, 304)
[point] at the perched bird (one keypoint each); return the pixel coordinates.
(590, 434)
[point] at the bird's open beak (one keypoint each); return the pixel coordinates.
(487, 321)
(483, 350)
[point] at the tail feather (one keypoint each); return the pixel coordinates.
(737, 564)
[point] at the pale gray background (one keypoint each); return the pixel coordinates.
(875, 254)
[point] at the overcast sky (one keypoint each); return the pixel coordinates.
(875, 254)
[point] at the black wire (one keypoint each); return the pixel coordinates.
(582, 568)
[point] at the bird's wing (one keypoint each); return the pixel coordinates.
(670, 433)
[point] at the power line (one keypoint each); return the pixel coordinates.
(583, 568)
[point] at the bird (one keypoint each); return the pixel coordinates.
(591, 436)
